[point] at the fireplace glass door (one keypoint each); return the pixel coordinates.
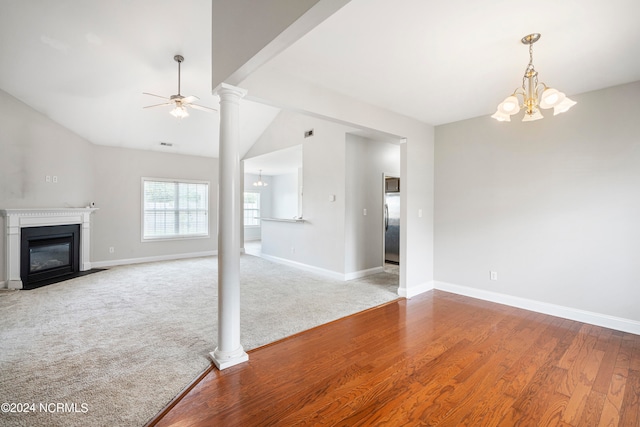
(48, 255)
(48, 252)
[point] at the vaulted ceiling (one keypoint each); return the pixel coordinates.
(85, 63)
(444, 61)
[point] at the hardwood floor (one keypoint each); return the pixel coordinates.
(437, 359)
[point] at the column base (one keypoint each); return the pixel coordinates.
(225, 359)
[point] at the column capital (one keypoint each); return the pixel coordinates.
(227, 89)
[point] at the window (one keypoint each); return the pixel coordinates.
(251, 209)
(174, 209)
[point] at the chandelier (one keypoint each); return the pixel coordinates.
(260, 182)
(533, 95)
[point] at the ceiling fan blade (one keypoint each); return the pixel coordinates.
(158, 105)
(202, 108)
(152, 94)
(189, 99)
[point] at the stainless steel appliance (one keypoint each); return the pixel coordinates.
(392, 220)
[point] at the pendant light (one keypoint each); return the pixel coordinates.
(260, 182)
(533, 95)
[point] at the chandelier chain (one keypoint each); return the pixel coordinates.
(530, 71)
(531, 55)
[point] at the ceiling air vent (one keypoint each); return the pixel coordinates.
(308, 133)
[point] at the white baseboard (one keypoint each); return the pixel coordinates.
(321, 271)
(363, 273)
(415, 290)
(116, 262)
(598, 319)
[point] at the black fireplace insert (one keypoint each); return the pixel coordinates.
(49, 254)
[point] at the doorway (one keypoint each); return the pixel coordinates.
(391, 220)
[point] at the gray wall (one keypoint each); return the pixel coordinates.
(335, 237)
(552, 206)
(416, 158)
(284, 194)
(117, 193)
(367, 162)
(319, 241)
(32, 146)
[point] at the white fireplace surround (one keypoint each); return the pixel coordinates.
(16, 219)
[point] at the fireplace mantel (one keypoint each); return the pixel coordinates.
(16, 219)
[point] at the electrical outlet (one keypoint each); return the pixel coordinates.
(47, 178)
(55, 179)
(493, 275)
(111, 249)
(364, 212)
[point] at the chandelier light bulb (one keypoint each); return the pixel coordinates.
(260, 182)
(509, 106)
(535, 115)
(532, 95)
(551, 97)
(563, 106)
(501, 117)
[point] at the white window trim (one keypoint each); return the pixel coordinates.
(163, 238)
(259, 193)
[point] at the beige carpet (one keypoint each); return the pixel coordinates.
(113, 348)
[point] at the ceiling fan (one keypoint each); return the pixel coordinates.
(179, 102)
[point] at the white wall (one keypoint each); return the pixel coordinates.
(367, 162)
(284, 193)
(553, 206)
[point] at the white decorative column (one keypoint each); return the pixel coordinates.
(229, 351)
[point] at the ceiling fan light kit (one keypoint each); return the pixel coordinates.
(532, 95)
(179, 102)
(179, 112)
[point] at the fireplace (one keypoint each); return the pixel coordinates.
(49, 254)
(52, 251)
